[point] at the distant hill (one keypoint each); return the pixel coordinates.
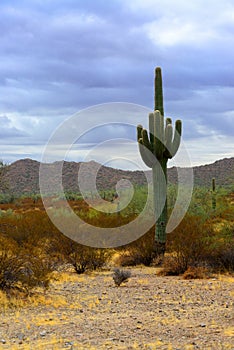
(222, 170)
(23, 175)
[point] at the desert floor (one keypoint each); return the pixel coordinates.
(148, 312)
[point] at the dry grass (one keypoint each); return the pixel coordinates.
(150, 312)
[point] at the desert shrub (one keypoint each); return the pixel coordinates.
(80, 261)
(36, 270)
(84, 258)
(188, 245)
(226, 259)
(138, 252)
(121, 276)
(101, 219)
(125, 259)
(100, 257)
(10, 264)
(6, 213)
(221, 255)
(196, 272)
(22, 269)
(201, 204)
(171, 266)
(6, 198)
(33, 227)
(28, 227)
(87, 258)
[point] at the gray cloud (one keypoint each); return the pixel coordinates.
(7, 130)
(57, 59)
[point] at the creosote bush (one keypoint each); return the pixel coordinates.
(195, 246)
(82, 258)
(138, 252)
(194, 272)
(34, 248)
(22, 269)
(187, 245)
(31, 247)
(10, 264)
(86, 258)
(221, 256)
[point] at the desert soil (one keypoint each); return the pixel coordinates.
(148, 312)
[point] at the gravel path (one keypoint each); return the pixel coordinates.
(148, 312)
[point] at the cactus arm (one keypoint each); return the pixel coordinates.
(144, 149)
(151, 128)
(168, 140)
(177, 137)
(168, 121)
(139, 132)
(159, 135)
(146, 155)
(145, 140)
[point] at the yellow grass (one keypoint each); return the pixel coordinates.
(229, 331)
(13, 302)
(88, 300)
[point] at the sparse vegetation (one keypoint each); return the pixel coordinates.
(194, 272)
(36, 258)
(203, 239)
(138, 252)
(196, 243)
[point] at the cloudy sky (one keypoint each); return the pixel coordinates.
(60, 57)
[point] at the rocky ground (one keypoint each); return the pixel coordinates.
(148, 312)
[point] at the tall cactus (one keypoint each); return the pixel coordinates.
(156, 147)
(213, 194)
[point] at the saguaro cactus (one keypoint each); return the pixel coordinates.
(213, 194)
(156, 147)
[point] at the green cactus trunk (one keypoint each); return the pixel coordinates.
(159, 173)
(156, 147)
(158, 91)
(213, 194)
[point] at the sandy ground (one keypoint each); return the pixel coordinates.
(148, 312)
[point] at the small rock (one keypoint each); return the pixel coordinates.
(3, 341)
(20, 336)
(202, 325)
(43, 333)
(69, 343)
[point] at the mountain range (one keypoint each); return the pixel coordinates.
(22, 176)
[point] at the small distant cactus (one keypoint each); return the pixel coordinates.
(156, 147)
(213, 184)
(121, 276)
(213, 194)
